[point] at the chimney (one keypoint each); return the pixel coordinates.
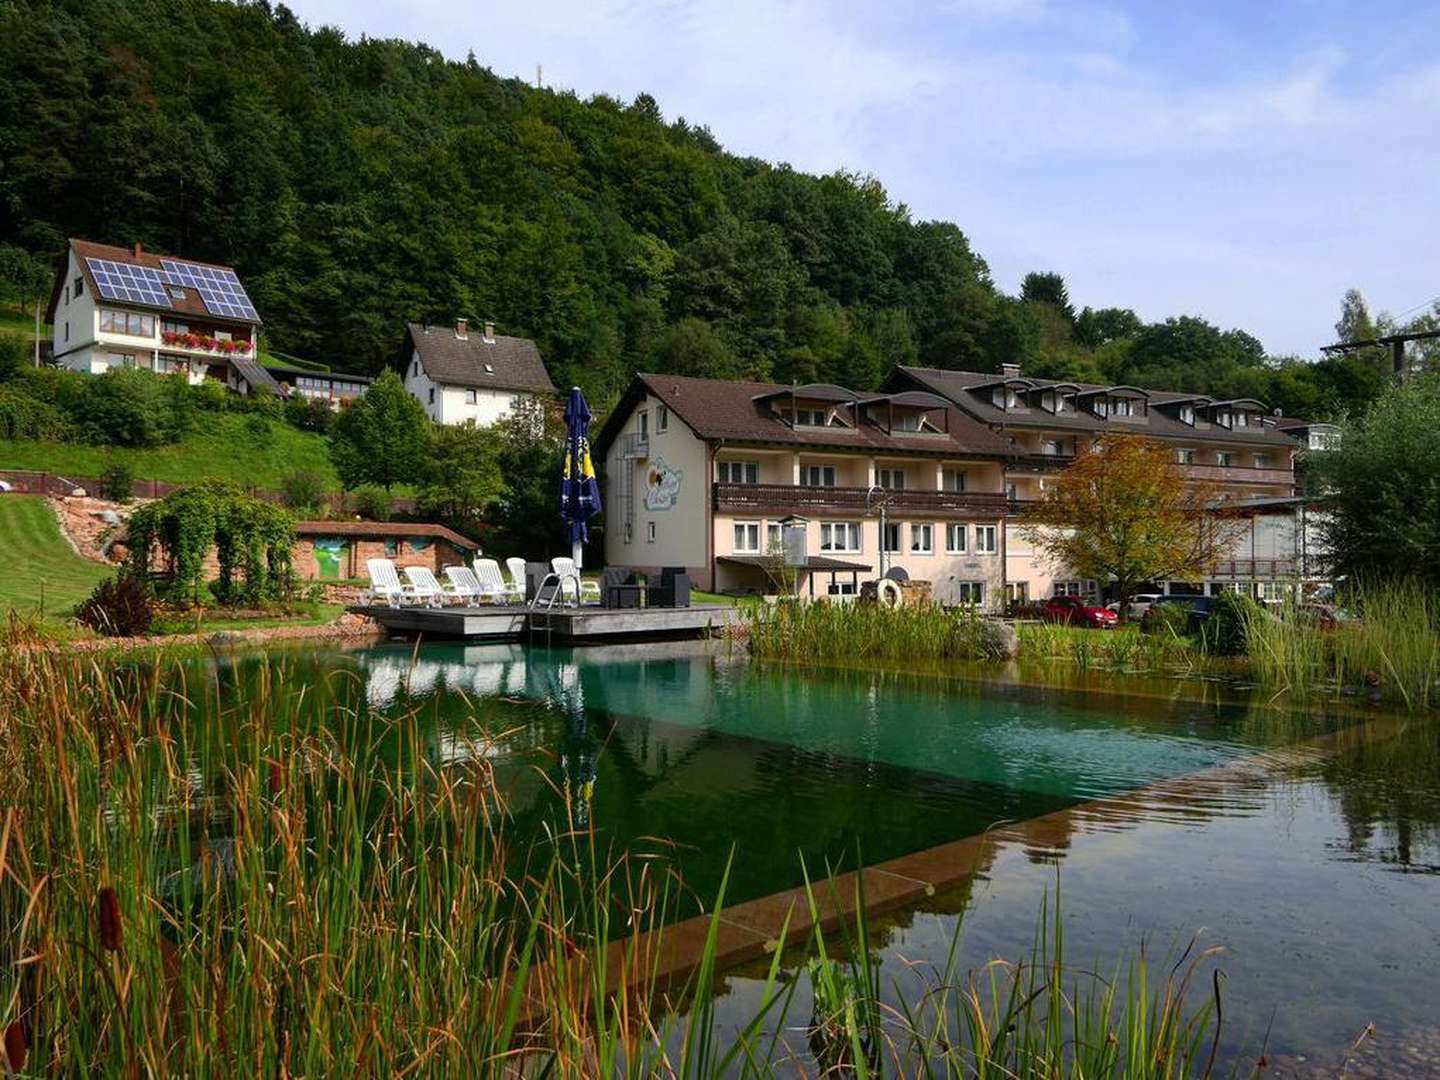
(1010, 371)
(489, 332)
(462, 327)
(138, 249)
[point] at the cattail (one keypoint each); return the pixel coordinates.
(277, 779)
(16, 1048)
(111, 932)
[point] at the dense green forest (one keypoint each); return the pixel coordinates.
(356, 185)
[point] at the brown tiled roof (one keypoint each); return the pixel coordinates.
(716, 409)
(514, 362)
(381, 530)
(189, 304)
(971, 391)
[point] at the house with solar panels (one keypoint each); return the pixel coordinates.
(461, 375)
(127, 307)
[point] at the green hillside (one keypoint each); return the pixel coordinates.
(224, 448)
(42, 569)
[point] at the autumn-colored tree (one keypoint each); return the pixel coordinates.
(1125, 512)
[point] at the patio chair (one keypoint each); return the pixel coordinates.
(425, 588)
(493, 585)
(464, 586)
(572, 585)
(385, 584)
(515, 566)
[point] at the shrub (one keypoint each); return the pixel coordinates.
(1170, 620)
(117, 483)
(23, 416)
(119, 607)
(1224, 632)
(15, 353)
(303, 489)
(309, 414)
(373, 502)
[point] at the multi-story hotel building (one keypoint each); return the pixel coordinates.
(1235, 445)
(707, 474)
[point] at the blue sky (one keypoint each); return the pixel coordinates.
(1245, 162)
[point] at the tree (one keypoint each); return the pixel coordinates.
(1095, 327)
(27, 277)
(383, 438)
(532, 447)
(1384, 487)
(1047, 287)
(1126, 513)
(462, 478)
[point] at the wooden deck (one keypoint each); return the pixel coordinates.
(516, 622)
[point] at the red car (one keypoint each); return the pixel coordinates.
(1073, 610)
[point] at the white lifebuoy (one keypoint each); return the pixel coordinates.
(888, 593)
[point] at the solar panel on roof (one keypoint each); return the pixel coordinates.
(219, 288)
(131, 284)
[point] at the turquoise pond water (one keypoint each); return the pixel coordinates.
(1318, 872)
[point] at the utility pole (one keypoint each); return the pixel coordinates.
(1395, 343)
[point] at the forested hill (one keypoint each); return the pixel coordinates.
(359, 184)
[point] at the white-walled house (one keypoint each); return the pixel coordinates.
(462, 374)
(128, 307)
(703, 474)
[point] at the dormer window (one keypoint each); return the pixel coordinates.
(1122, 406)
(1101, 407)
(1003, 397)
(804, 416)
(1065, 403)
(1187, 414)
(1223, 418)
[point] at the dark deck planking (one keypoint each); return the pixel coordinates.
(509, 622)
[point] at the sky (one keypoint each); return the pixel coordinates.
(1244, 162)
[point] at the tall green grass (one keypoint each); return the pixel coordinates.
(1392, 651)
(264, 889)
(869, 632)
(1124, 648)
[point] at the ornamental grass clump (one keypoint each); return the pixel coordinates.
(862, 632)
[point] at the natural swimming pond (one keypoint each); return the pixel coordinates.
(1316, 871)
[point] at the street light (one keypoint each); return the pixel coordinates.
(872, 490)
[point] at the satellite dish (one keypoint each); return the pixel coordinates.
(897, 573)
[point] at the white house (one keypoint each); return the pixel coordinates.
(127, 307)
(460, 374)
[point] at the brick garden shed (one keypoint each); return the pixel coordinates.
(337, 550)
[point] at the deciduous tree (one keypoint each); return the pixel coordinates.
(1126, 513)
(383, 438)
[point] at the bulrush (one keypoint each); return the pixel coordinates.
(16, 1049)
(111, 932)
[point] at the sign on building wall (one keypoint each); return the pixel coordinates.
(662, 485)
(330, 557)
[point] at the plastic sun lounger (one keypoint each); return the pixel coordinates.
(572, 585)
(516, 568)
(463, 585)
(385, 583)
(424, 587)
(492, 583)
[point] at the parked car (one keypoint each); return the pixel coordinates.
(1196, 607)
(1327, 616)
(1075, 612)
(1139, 604)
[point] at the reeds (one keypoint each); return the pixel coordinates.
(856, 632)
(1121, 649)
(256, 886)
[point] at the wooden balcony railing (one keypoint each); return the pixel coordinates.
(1256, 568)
(801, 499)
(1239, 474)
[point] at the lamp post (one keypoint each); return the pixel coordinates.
(868, 495)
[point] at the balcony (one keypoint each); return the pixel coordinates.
(800, 499)
(1239, 474)
(1032, 462)
(205, 345)
(1256, 568)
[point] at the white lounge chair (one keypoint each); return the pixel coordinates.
(516, 567)
(385, 583)
(425, 588)
(492, 583)
(572, 585)
(464, 587)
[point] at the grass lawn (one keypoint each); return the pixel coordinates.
(41, 566)
(223, 448)
(15, 321)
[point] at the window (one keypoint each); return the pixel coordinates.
(1124, 406)
(1073, 588)
(1242, 419)
(1002, 397)
(890, 479)
(922, 539)
(818, 475)
(773, 543)
(644, 424)
(174, 326)
(747, 537)
(472, 397)
(415, 367)
(1099, 405)
(840, 536)
(1187, 414)
(650, 532)
(971, 593)
(79, 286)
(131, 323)
(739, 472)
(986, 541)
(956, 539)
(1017, 592)
(432, 395)
(629, 532)
(1047, 401)
(1262, 461)
(1065, 403)
(1012, 491)
(1223, 418)
(814, 418)
(67, 329)
(1185, 457)
(1224, 457)
(662, 418)
(953, 479)
(890, 537)
(1053, 448)
(1272, 592)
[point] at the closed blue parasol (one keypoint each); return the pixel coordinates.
(579, 489)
